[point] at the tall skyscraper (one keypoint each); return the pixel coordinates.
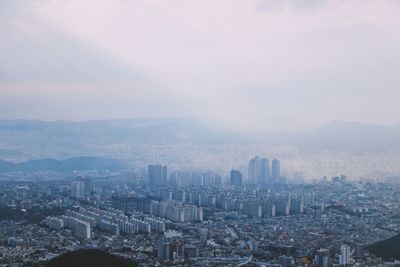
(78, 189)
(344, 257)
(276, 171)
(236, 178)
(133, 180)
(264, 175)
(358, 250)
(322, 258)
(203, 233)
(258, 171)
(170, 249)
(157, 174)
(252, 171)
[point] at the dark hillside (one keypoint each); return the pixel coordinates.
(386, 249)
(90, 258)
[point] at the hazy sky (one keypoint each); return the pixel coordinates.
(273, 64)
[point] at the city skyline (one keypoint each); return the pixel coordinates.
(327, 222)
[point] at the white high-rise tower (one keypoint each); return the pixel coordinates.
(345, 254)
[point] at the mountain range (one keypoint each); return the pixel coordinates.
(21, 139)
(63, 166)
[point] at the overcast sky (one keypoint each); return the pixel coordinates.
(267, 64)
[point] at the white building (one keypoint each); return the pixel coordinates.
(80, 228)
(345, 254)
(78, 189)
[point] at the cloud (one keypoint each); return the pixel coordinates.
(36, 51)
(311, 60)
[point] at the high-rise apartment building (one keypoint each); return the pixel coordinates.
(80, 228)
(322, 258)
(275, 171)
(236, 178)
(258, 171)
(157, 175)
(78, 189)
(344, 257)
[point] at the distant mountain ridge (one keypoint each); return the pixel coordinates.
(350, 136)
(24, 137)
(63, 166)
